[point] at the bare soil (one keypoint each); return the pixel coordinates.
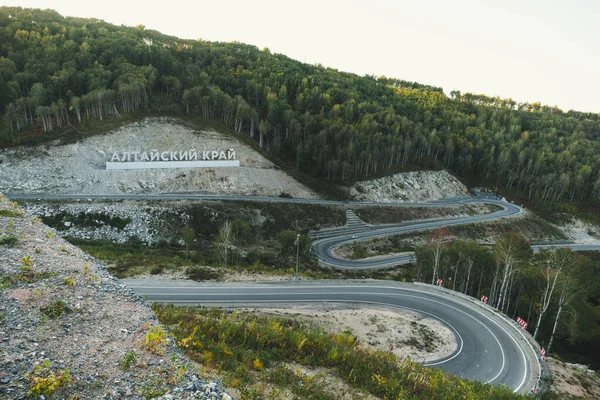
(572, 383)
(407, 334)
(80, 167)
(581, 232)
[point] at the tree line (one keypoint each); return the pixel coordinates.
(57, 72)
(556, 291)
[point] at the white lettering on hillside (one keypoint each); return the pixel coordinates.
(170, 155)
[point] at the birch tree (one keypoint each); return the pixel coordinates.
(568, 291)
(224, 242)
(510, 253)
(554, 263)
(436, 243)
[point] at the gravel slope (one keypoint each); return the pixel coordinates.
(80, 167)
(60, 310)
(417, 186)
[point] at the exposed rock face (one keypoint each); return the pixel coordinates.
(80, 167)
(418, 186)
(62, 313)
(144, 220)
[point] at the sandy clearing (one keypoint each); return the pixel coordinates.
(406, 334)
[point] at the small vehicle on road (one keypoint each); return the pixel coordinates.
(354, 236)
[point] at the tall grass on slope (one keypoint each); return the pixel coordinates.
(244, 344)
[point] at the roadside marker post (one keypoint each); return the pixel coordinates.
(484, 299)
(522, 322)
(440, 282)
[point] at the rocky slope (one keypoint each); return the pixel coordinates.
(68, 328)
(417, 186)
(80, 167)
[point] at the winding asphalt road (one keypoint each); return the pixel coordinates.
(324, 248)
(489, 349)
(199, 196)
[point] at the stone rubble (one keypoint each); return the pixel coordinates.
(61, 307)
(80, 167)
(417, 186)
(145, 224)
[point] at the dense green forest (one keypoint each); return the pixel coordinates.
(57, 72)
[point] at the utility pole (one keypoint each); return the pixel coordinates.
(297, 252)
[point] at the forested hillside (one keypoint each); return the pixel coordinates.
(56, 73)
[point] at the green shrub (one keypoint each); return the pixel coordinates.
(200, 274)
(55, 309)
(11, 213)
(27, 275)
(129, 358)
(9, 241)
(156, 270)
(155, 341)
(359, 251)
(70, 281)
(43, 381)
(10, 227)
(5, 281)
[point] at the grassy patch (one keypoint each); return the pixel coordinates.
(384, 245)
(233, 343)
(9, 241)
(127, 261)
(5, 281)
(31, 276)
(55, 309)
(423, 338)
(267, 220)
(129, 359)
(132, 260)
(11, 213)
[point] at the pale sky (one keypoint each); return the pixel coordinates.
(529, 50)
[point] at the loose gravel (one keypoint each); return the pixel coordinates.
(81, 167)
(417, 186)
(61, 310)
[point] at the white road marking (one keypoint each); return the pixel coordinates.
(363, 293)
